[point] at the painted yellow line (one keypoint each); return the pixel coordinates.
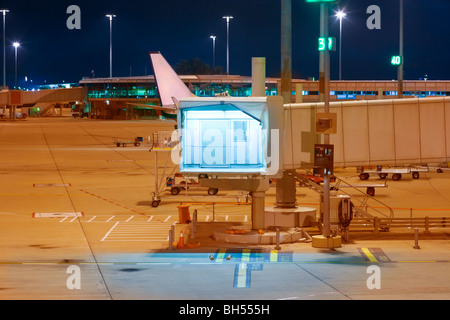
(241, 277)
(274, 256)
(246, 255)
(369, 255)
(221, 255)
(417, 261)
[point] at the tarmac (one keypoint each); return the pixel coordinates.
(70, 197)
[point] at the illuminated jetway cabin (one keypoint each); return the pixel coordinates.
(227, 135)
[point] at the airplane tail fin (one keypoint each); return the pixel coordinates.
(170, 87)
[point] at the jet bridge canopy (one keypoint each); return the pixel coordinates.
(229, 136)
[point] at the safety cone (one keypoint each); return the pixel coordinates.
(180, 244)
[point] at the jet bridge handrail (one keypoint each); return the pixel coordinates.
(363, 203)
(303, 178)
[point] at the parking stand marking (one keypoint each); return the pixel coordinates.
(375, 255)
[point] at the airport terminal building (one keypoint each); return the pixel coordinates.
(127, 98)
(113, 98)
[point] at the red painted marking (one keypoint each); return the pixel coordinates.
(112, 202)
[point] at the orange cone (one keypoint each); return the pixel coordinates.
(180, 244)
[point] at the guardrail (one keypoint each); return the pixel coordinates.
(377, 224)
(361, 208)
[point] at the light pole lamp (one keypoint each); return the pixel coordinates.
(16, 46)
(340, 15)
(4, 11)
(228, 18)
(110, 16)
(214, 50)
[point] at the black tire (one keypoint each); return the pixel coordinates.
(175, 191)
(383, 175)
(155, 203)
(124, 145)
(370, 191)
(364, 176)
(213, 191)
(415, 175)
(118, 144)
(397, 176)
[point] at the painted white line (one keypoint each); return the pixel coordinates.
(110, 230)
(246, 219)
(130, 218)
(92, 218)
(226, 218)
(73, 219)
(43, 185)
(110, 219)
(151, 218)
(57, 214)
(167, 218)
(63, 220)
(207, 218)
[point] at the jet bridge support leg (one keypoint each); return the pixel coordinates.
(285, 196)
(258, 205)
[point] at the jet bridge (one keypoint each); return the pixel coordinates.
(381, 132)
(233, 143)
(240, 143)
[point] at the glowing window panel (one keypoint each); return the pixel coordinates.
(221, 139)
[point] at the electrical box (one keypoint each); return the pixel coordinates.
(323, 159)
(326, 123)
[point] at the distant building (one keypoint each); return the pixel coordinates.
(112, 98)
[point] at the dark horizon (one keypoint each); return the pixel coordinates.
(180, 31)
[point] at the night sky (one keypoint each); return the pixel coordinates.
(180, 29)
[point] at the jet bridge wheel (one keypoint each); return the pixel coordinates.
(155, 203)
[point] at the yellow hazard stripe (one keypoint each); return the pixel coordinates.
(246, 255)
(369, 255)
(221, 255)
(274, 256)
(241, 276)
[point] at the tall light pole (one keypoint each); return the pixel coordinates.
(214, 50)
(324, 94)
(228, 18)
(340, 15)
(16, 46)
(110, 16)
(4, 45)
(400, 67)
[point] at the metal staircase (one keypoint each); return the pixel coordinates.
(367, 207)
